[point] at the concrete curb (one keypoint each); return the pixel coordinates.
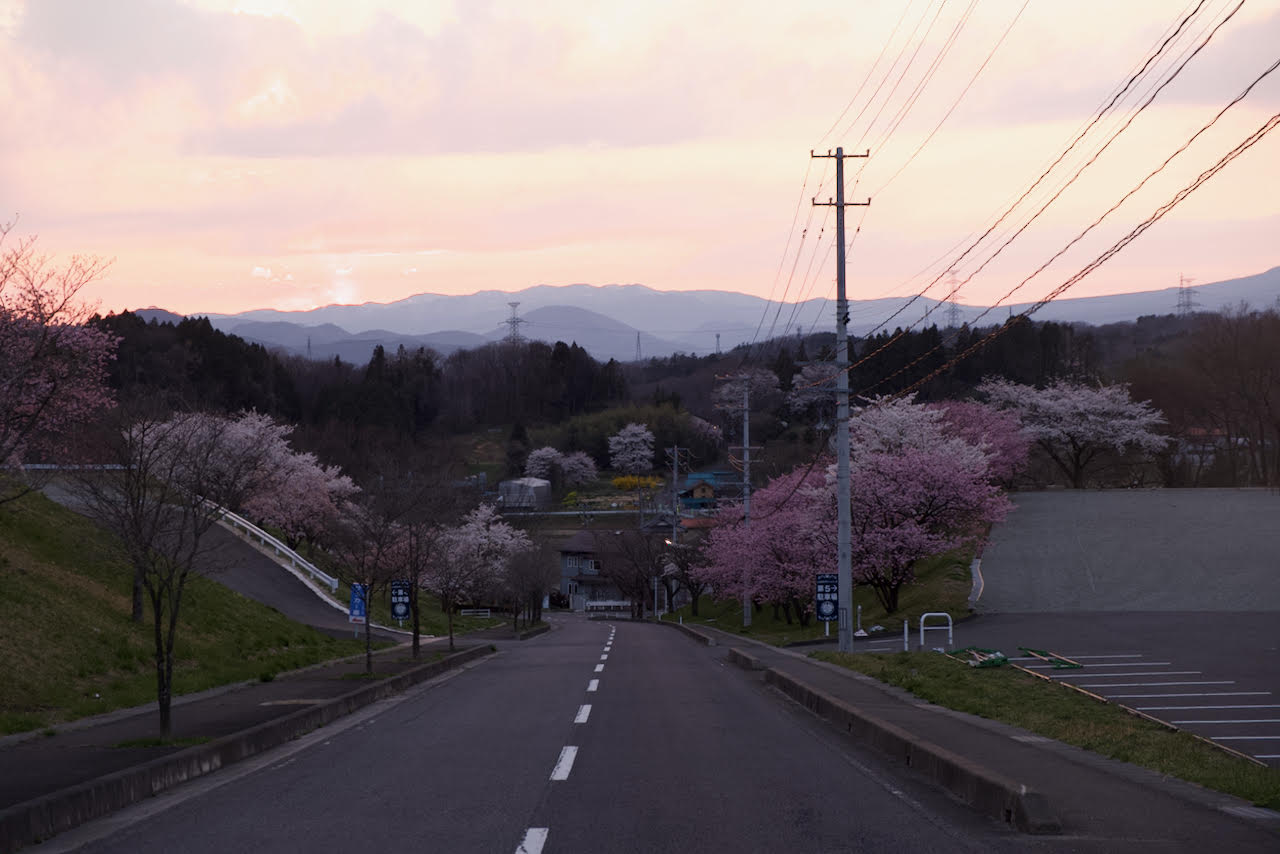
(534, 632)
(982, 789)
(44, 817)
(700, 637)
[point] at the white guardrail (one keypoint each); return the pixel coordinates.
(254, 532)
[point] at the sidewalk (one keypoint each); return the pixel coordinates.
(41, 768)
(1102, 804)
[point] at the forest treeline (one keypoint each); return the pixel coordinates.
(1216, 378)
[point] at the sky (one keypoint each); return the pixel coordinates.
(239, 154)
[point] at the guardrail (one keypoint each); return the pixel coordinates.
(475, 612)
(254, 532)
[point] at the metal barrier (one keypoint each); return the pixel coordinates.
(948, 626)
(475, 612)
(254, 532)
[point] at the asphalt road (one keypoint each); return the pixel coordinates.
(590, 738)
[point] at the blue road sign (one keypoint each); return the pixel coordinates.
(356, 611)
(400, 600)
(826, 597)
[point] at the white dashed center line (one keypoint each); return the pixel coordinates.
(599, 668)
(564, 764)
(534, 839)
(584, 712)
(593, 684)
(604, 656)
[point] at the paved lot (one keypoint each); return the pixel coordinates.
(1135, 550)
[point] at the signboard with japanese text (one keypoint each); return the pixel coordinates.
(400, 600)
(356, 611)
(826, 597)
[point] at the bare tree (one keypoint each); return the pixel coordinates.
(161, 489)
(632, 559)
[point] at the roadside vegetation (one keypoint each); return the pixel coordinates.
(68, 648)
(1007, 695)
(942, 584)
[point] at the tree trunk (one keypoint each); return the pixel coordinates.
(136, 614)
(449, 612)
(417, 622)
(163, 685)
(368, 636)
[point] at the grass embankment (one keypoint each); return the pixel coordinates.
(942, 584)
(1048, 709)
(68, 648)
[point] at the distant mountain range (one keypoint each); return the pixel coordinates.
(616, 321)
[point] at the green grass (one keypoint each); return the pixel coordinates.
(1054, 711)
(68, 648)
(942, 584)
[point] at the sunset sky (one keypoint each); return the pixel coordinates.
(238, 154)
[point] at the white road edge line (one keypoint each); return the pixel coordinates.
(1246, 738)
(593, 684)
(534, 839)
(584, 712)
(564, 764)
(1147, 684)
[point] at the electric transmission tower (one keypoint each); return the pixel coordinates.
(1186, 296)
(953, 308)
(513, 325)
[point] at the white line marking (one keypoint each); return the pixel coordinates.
(1110, 664)
(593, 684)
(534, 839)
(604, 656)
(1266, 756)
(1206, 694)
(1149, 684)
(1246, 738)
(1085, 675)
(1077, 657)
(599, 668)
(584, 712)
(564, 764)
(1253, 721)
(1189, 708)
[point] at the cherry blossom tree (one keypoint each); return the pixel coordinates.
(997, 432)
(1075, 425)
(916, 489)
(53, 365)
(631, 449)
(473, 557)
(813, 392)
(578, 469)
(542, 462)
(774, 556)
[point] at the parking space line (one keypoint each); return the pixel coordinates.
(1189, 708)
(1230, 681)
(1085, 675)
(1247, 738)
(1242, 721)
(1205, 694)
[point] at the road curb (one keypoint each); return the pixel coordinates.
(39, 819)
(700, 637)
(981, 788)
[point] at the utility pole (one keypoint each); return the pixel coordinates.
(746, 488)
(844, 555)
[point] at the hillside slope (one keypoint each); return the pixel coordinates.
(68, 648)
